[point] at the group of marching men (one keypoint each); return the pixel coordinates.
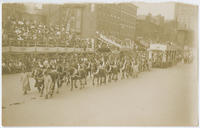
(51, 74)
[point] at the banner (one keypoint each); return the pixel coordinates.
(109, 41)
(160, 47)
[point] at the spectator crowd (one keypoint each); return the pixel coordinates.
(21, 32)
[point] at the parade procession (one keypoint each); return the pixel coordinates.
(51, 50)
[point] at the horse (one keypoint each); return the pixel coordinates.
(74, 76)
(102, 75)
(82, 75)
(39, 80)
(135, 70)
(61, 74)
(109, 72)
(55, 77)
(123, 70)
(66, 77)
(89, 69)
(95, 74)
(129, 70)
(47, 84)
(115, 71)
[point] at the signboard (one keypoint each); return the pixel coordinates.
(160, 47)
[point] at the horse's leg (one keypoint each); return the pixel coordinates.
(80, 80)
(58, 83)
(132, 74)
(98, 80)
(115, 77)
(42, 87)
(46, 91)
(39, 89)
(126, 74)
(101, 80)
(85, 80)
(72, 82)
(122, 74)
(51, 88)
(110, 75)
(89, 74)
(84, 83)
(93, 80)
(75, 83)
(68, 80)
(105, 79)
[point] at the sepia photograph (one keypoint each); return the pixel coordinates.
(100, 64)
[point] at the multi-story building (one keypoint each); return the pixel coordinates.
(186, 16)
(149, 27)
(21, 11)
(118, 20)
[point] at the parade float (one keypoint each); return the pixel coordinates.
(162, 55)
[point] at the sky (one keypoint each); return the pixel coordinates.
(166, 9)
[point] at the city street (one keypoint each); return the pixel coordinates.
(160, 97)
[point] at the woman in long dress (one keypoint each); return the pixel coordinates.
(25, 82)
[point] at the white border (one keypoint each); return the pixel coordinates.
(194, 2)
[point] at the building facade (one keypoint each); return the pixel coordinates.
(150, 27)
(118, 20)
(186, 16)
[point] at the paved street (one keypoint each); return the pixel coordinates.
(160, 97)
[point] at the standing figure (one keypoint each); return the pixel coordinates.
(25, 82)
(47, 84)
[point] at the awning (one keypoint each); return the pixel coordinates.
(104, 38)
(103, 50)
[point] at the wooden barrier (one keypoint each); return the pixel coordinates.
(44, 49)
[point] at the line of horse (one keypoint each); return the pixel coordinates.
(99, 74)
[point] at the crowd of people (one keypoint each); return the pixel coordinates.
(21, 32)
(70, 68)
(13, 63)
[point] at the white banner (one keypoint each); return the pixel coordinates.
(160, 47)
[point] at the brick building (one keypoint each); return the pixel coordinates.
(118, 20)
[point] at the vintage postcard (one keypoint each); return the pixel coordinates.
(100, 64)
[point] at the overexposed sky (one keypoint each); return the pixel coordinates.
(165, 9)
